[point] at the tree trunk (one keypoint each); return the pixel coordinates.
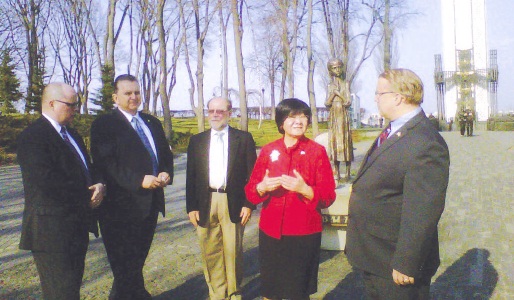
(387, 36)
(224, 52)
(164, 70)
(238, 36)
(310, 75)
(199, 67)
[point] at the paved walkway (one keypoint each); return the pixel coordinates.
(476, 232)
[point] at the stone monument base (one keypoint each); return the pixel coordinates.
(335, 220)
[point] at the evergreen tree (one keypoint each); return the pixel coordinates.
(103, 99)
(34, 95)
(9, 85)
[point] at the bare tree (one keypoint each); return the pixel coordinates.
(393, 15)
(105, 55)
(238, 37)
(290, 16)
(28, 21)
(184, 24)
(223, 46)
(201, 34)
(310, 72)
(73, 47)
(353, 49)
(164, 69)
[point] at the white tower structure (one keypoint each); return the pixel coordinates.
(464, 77)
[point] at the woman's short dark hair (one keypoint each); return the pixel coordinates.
(288, 108)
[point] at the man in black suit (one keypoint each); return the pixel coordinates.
(135, 159)
(59, 196)
(219, 164)
(398, 196)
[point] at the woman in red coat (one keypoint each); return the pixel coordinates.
(293, 179)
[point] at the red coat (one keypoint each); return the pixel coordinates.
(285, 212)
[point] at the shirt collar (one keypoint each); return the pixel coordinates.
(398, 123)
(224, 130)
(129, 116)
(54, 123)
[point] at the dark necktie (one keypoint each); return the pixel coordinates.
(146, 142)
(383, 136)
(65, 137)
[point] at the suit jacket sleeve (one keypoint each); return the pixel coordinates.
(424, 195)
(192, 175)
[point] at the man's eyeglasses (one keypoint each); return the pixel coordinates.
(216, 111)
(70, 104)
(380, 94)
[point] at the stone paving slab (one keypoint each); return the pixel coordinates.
(476, 232)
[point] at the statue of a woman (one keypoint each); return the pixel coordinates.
(340, 146)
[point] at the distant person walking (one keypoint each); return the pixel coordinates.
(470, 119)
(462, 118)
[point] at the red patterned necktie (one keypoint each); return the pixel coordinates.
(383, 136)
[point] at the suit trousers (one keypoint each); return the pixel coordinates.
(379, 288)
(127, 243)
(221, 244)
(60, 273)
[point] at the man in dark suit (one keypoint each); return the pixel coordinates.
(219, 164)
(135, 159)
(59, 196)
(398, 196)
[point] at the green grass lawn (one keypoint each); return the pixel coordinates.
(266, 133)
(12, 125)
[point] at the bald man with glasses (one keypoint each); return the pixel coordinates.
(59, 194)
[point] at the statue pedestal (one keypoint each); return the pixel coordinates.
(335, 220)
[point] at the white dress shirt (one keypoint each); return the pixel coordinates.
(218, 159)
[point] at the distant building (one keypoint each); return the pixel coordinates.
(355, 111)
(464, 76)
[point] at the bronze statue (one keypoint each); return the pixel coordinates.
(340, 146)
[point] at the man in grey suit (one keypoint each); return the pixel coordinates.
(59, 194)
(398, 196)
(219, 164)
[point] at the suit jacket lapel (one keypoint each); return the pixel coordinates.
(57, 139)
(131, 131)
(233, 149)
(203, 160)
(150, 126)
(80, 142)
(372, 155)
